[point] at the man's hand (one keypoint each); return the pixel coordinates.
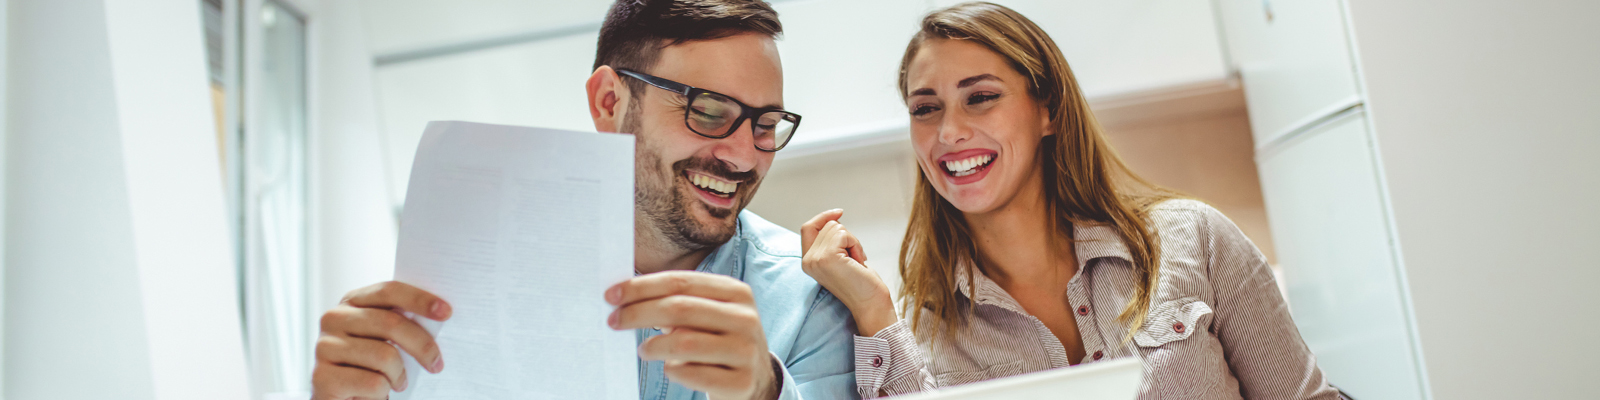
(356, 355)
(713, 341)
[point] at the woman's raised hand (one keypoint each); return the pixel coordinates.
(835, 258)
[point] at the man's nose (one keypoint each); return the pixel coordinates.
(738, 150)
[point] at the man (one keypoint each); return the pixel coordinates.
(720, 305)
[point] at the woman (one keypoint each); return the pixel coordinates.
(1032, 246)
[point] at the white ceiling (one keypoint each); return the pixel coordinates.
(401, 25)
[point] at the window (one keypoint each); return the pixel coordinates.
(258, 64)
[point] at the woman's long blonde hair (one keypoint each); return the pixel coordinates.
(1085, 181)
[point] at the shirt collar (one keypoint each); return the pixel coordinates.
(1089, 242)
(1098, 241)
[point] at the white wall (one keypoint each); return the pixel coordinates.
(829, 47)
(873, 185)
(119, 266)
(1486, 118)
(4, 93)
(354, 221)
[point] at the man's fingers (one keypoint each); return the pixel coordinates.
(688, 345)
(670, 283)
(808, 231)
(338, 382)
(400, 296)
(385, 325)
(709, 378)
(690, 312)
(369, 354)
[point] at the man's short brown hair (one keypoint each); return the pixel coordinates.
(635, 31)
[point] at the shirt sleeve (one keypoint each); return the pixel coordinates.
(1259, 339)
(820, 366)
(890, 363)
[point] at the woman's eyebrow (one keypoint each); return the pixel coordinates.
(975, 79)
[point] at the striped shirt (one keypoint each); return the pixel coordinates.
(1217, 327)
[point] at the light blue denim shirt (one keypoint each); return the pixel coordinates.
(808, 330)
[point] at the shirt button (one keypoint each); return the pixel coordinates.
(1083, 310)
(1098, 354)
(877, 361)
(1177, 327)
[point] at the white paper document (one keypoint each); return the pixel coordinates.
(521, 230)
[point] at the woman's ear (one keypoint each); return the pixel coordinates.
(1046, 125)
(606, 92)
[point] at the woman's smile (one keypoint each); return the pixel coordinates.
(967, 166)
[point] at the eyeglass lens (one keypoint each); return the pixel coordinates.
(713, 115)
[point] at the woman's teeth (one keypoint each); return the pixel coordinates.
(967, 166)
(715, 186)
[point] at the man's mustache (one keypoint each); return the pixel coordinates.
(713, 167)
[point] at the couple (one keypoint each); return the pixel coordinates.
(1031, 246)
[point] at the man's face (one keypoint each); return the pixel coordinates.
(682, 178)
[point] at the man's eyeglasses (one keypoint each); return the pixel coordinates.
(715, 115)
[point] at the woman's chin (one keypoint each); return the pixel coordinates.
(971, 200)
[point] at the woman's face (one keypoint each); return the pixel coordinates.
(974, 127)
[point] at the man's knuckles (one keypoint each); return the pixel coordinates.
(331, 381)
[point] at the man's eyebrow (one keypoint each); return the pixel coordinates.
(975, 79)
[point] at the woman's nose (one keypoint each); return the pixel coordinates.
(953, 129)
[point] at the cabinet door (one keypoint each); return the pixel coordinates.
(1333, 241)
(1294, 58)
(1122, 47)
(840, 64)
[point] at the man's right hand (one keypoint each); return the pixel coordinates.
(356, 355)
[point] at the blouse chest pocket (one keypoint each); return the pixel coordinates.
(1171, 321)
(1182, 359)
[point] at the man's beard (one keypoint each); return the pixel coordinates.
(664, 208)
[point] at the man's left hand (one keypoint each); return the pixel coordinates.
(712, 340)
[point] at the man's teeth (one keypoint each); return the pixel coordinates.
(714, 185)
(967, 166)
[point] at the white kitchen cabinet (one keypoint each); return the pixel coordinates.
(1294, 58)
(1122, 47)
(1332, 236)
(841, 63)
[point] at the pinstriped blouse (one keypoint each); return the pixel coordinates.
(1217, 326)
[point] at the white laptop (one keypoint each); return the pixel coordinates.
(1107, 380)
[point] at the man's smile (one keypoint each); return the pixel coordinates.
(715, 191)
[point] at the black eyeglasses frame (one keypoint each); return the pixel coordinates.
(689, 93)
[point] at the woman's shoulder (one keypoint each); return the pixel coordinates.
(1186, 213)
(1193, 224)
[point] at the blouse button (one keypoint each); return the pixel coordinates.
(1098, 354)
(1177, 327)
(877, 361)
(1083, 310)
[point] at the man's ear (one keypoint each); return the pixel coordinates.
(606, 92)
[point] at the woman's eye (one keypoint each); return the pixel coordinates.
(981, 97)
(923, 110)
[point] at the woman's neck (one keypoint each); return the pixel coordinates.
(1020, 245)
